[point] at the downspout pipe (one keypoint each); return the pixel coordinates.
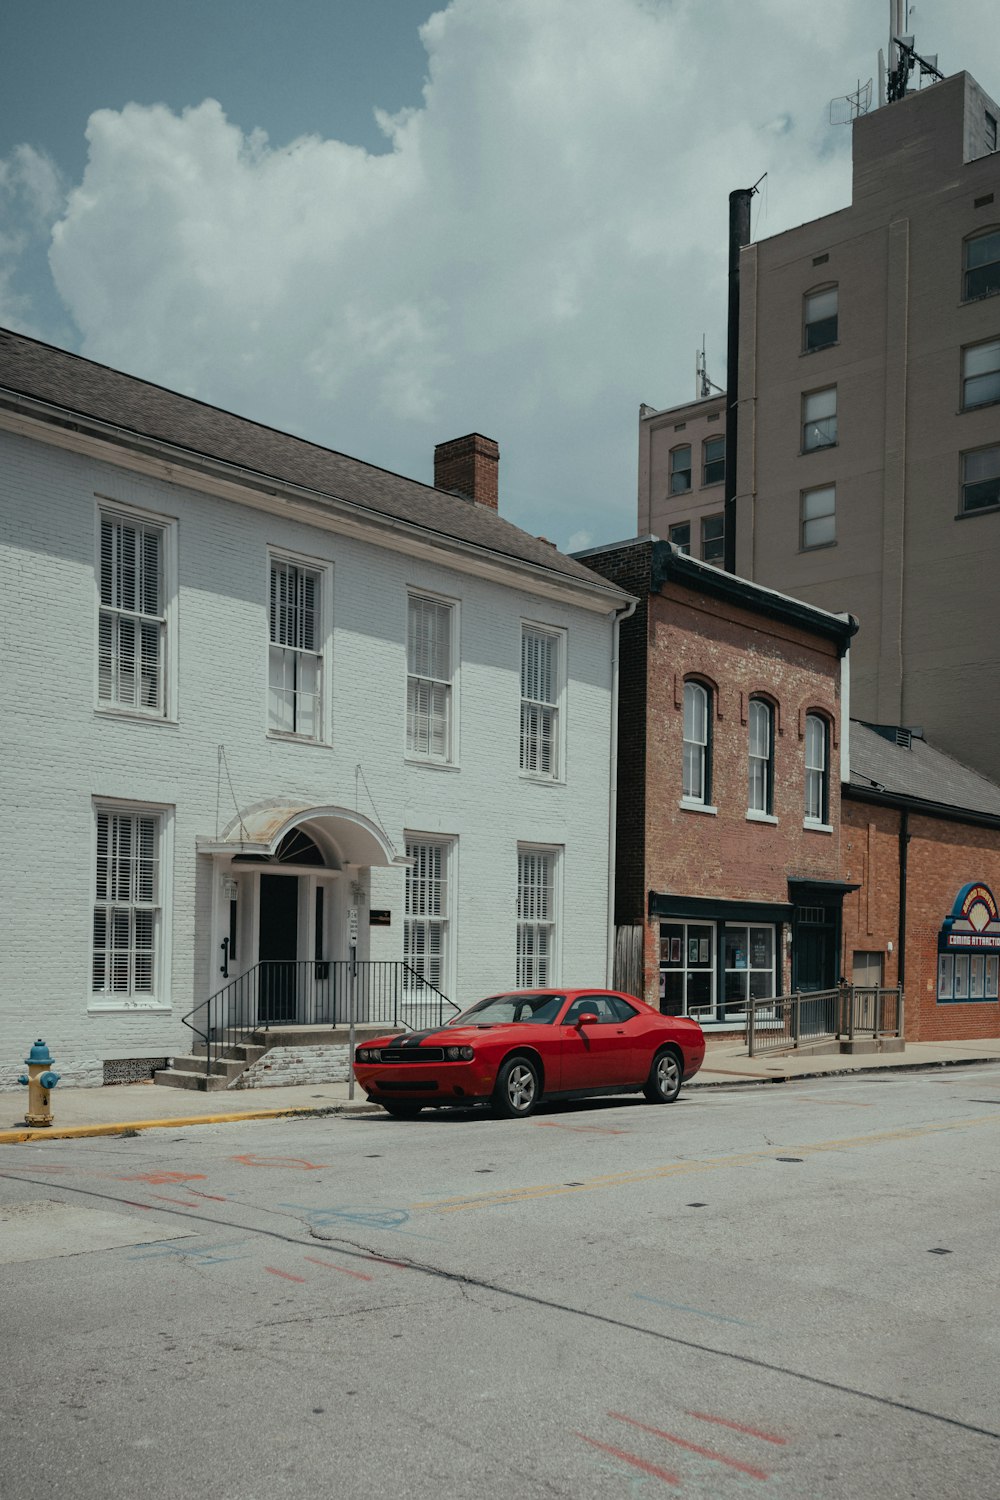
(904, 847)
(623, 614)
(739, 235)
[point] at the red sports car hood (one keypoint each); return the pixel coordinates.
(437, 1036)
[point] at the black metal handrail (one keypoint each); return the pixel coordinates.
(307, 992)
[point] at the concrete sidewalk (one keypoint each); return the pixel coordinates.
(148, 1106)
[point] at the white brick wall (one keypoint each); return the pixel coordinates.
(59, 753)
(289, 1065)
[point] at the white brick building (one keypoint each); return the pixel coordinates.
(252, 685)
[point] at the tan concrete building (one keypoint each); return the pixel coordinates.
(868, 470)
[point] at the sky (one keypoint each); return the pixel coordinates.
(380, 225)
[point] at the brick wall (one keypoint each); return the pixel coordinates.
(943, 856)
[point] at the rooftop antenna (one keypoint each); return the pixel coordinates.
(903, 57)
(847, 107)
(703, 387)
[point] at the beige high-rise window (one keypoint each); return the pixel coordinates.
(819, 517)
(680, 470)
(981, 374)
(713, 470)
(980, 479)
(821, 319)
(982, 265)
(819, 419)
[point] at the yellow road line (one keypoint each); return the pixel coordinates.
(685, 1168)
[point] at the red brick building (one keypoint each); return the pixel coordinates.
(728, 851)
(921, 841)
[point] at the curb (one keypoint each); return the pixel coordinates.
(358, 1109)
(74, 1132)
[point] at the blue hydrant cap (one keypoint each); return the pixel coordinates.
(39, 1053)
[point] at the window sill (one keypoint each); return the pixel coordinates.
(819, 448)
(818, 547)
(539, 780)
(815, 826)
(980, 510)
(686, 804)
(979, 406)
(284, 737)
(105, 1005)
(430, 765)
(761, 817)
(132, 715)
(819, 348)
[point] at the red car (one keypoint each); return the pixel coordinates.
(512, 1050)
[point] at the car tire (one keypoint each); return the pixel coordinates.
(518, 1088)
(664, 1081)
(401, 1109)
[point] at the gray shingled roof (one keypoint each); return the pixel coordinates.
(139, 409)
(919, 773)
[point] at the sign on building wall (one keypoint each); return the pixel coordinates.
(969, 948)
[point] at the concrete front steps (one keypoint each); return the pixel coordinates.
(189, 1072)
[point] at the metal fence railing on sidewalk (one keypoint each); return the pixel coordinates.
(787, 1022)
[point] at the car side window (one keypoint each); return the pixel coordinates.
(595, 1005)
(621, 1009)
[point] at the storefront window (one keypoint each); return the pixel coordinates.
(749, 966)
(687, 969)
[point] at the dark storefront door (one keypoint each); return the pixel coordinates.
(278, 946)
(814, 949)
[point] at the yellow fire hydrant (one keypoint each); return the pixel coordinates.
(40, 1079)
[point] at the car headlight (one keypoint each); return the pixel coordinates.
(459, 1054)
(368, 1054)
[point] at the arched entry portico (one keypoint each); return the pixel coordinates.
(287, 877)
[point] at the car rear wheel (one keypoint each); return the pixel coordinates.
(517, 1090)
(664, 1081)
(402, 1109)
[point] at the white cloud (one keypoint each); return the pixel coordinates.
(541, 247)
(31, 198)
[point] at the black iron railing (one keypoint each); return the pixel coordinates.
(842, 1014)
(328, 992)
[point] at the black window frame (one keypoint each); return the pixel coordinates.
(677, 472)
(713, 470)
(993, 480)
(991, 269)
(820, 333)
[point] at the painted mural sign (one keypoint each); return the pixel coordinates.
(969, 948)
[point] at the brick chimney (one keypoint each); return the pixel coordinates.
(468, 466)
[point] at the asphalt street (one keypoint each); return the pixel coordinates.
(784, 1292)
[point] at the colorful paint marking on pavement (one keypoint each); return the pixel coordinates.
(702, 1458)
(290, 1163)
(699, 1312)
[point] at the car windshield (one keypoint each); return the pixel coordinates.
(505, 1010)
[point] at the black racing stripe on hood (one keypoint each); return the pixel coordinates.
(415, 1038)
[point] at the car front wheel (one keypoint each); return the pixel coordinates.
(664, 1081)
(517, 1089)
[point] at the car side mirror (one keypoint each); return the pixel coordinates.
(587, 1019)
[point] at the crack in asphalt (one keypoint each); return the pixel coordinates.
(461, 1280)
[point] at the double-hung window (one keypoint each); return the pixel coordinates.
(982, 265)
(426, 921)
(541, 692)
(430, 678)
(680, 536)
(128, 883)
(295, 656)
(536, 917)
(132, 620)
(697, 743)
(819, 517)
(980, 480)
(761, 763)
(981, 374)
(680, 470)
(713, 539)
(820, 318)
(817, 773)
(713, 468)
(819, 419)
